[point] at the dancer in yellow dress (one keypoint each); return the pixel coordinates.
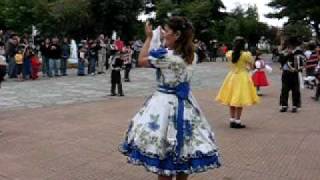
(237, 89)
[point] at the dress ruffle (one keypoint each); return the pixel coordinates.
(259, 78)
(237, 90)
(170, 166)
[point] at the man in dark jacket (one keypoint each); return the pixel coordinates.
(54, 54)
(65, 48)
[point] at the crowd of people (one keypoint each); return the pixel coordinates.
(210, 51)
(23, 59)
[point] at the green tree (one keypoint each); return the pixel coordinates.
(202, 13)
(245, 22)
(297, 10)
(18, 15)
(67, 18)
(80, 18)
(120, 16)
(298, 29)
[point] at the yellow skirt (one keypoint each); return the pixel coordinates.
(238, 90)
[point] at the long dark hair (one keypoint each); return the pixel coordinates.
(184, 44)
(239, 45)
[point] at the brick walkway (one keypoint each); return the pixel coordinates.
(78, 140)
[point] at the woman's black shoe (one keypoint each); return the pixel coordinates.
(294, 110)
(237, 125)
(283, 109)
(232, 124)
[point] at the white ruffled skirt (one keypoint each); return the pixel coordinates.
(151, 139)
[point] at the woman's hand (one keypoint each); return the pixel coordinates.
(143, 56)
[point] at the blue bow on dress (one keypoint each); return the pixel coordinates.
(182, 92)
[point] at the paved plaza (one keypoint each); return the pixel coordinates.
(68, 128)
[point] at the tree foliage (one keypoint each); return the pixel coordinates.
(85, 18)
(71, 17)
(298, 29)
(245, 22)
(116, 15)
(297, 10)
(211, 23)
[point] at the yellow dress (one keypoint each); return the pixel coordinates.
(238, 89)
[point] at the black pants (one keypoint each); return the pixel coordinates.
(3, 71)
(116, 81)
(317, 95)
(127, 71)
(290, 82)
(107, 61)
(92, 65)
(136, 57)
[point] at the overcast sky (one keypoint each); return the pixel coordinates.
(262, 9)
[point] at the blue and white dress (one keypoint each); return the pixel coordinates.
(170, 135)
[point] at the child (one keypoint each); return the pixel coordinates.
(27, 63)
(127, 60)
(259, 76)
(19, 62)
(3, 68)
(35, 66)
(82, 60)
(116, 76)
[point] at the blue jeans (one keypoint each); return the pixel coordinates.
(81, 67)
(45, 65)
(12, 70)
(64, 66)
(27, 68)
(54, 65)
(92, 65)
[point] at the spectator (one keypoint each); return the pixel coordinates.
(65, 48)
(35, 64)
(102, 54)
(82, 59)
(3, 68)
(54, 54)
(19, 62)
(127, 60)
(119, 44)
(11, 50)
(93, 57)
(44, 49)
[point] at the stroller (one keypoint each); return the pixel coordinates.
(310, 82)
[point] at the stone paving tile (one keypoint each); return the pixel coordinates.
(73, 89)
